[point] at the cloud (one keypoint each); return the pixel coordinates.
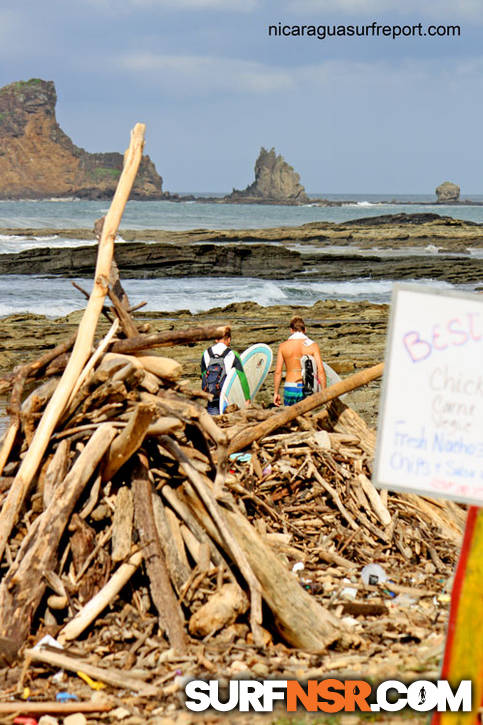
(440, 9)
(227, 5)
(202, 75)
(243, 6)
(209, 76)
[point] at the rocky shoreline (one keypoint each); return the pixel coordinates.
(397, 246)
(351, 337)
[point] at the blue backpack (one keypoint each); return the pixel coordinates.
(215, 373)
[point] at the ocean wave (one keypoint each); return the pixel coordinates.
(13, 243)
(363, 204)
(62, 198)
(11, 237)
(55, 296)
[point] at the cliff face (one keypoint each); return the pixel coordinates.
(38, 160)
(275, 182)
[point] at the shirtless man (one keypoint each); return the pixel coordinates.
(290, 354)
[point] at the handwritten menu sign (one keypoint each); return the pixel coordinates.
(430, 428)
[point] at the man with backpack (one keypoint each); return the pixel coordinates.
(216, 363)
(305, 372)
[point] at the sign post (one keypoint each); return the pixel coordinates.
(430, 442)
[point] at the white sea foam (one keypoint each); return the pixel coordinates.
(365, 204)
(58, 199)
(56, 297)
(10, 244)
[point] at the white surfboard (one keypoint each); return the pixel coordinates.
(332, 378)
(331, 375)
(256, 360)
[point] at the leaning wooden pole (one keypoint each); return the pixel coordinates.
(247, 437)
(83, 343)
(170, 337)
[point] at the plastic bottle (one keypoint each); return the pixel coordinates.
(373, 574)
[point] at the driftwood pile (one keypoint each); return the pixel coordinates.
(154, 542)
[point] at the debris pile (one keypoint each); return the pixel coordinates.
(139, 550)
(154, 543)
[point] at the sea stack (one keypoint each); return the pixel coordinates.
(276, 182)
(38, 160)
(447, 192)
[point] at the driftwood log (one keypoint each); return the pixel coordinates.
(301, 621)
(23, 586)
(172, 337)
(83, 343)
(170, 616)
(246, 438)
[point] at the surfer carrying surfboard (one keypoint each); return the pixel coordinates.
(290, 355)
(216, 363)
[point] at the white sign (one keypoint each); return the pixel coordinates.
(430, 432)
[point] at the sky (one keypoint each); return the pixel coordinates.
(351, 115)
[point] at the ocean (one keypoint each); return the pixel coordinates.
(56, 297)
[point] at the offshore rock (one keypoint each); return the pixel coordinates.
(447, 192)
(275, 182)
(38, 160)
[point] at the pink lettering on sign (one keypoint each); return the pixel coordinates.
(458, 336)
(453, 333)
(418, 349)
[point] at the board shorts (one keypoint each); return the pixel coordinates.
(292, 393)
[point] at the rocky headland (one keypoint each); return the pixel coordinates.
(38, 160)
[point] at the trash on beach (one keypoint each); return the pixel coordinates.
(122, 534)
(373, 574)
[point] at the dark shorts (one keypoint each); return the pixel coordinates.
(213, 407)
(292, 393)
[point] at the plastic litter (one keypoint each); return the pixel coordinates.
(267, 470)
(48, 640)
(25, 720)
(373, 574)
(66, 697)
(92, 683)
(241, 457)
(298, 567)
(348, 593)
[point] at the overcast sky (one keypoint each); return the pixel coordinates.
(365, 115)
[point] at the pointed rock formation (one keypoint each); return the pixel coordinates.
(275, 182)
(447, 192)
(38, 160)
